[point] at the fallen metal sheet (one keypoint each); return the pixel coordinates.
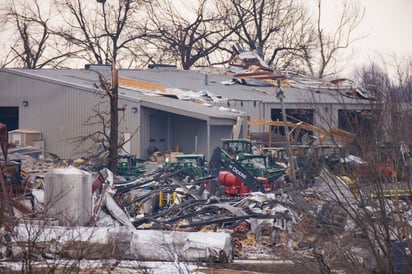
(333, 188)
(116, 211)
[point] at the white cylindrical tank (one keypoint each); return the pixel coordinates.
(68, 196)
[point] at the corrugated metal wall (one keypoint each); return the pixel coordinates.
(190, 135)
(58, 111)
(217, 133)
(131, 124)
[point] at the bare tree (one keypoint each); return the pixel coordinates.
(32, 45)
(109, 140)
(184, 34)
(392, 84)
(402, 66)
(104, 133)
(322, 56)
(268, 27)
(102, 31)
(369, 198)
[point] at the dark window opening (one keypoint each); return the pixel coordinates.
(295, 116)
(355, 120)
(360, 123)
(10, 117)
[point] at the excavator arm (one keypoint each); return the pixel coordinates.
(222, 161)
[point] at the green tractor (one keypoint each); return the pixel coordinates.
(237, 147)
(130, 167)
(192, 165)
(259, 166)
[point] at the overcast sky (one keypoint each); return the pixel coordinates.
(388, 26)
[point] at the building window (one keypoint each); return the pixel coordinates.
(294, 116)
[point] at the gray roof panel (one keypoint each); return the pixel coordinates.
(199, 82)
(213, 82)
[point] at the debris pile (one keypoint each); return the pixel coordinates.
(250, 69)
(168, 213)
(165, 199)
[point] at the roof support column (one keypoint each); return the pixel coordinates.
(208, 140)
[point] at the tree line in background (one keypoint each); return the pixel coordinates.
(186, 33)
(135, 33)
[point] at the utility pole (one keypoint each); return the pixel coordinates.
(280, 95)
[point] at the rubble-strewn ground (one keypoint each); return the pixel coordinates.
(301, 231)
(249, 266)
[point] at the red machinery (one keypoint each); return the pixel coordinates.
(235, 179)
(234, 186)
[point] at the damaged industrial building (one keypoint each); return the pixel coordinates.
(244, 164)
(186, 111)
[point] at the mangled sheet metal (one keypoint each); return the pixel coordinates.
(250, 69)
(203, 97)
(174, 212)
(165, 201)
(163, 215)
(188, 202)
(332, 188)
(125, 243)
(103, 197)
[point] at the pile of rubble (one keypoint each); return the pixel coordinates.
(165, 215)
(161, 200)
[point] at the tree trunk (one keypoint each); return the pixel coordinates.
(114, 123)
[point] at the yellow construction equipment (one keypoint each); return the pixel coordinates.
(338, 135)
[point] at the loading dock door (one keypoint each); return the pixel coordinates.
(158, 133)
(10, 117)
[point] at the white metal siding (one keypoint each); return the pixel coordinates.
(57, 111)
